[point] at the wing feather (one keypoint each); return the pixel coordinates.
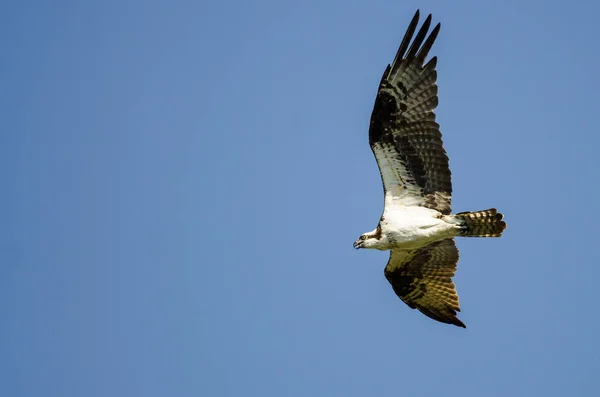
(404, 44)
(422, 278)
(403, 133)
(412, 52)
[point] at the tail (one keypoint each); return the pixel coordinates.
(486, 223)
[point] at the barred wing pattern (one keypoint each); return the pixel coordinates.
(403, 134)
(422, 278)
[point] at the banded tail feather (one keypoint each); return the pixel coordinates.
(486, 223)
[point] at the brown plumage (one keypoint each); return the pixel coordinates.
(486, 223)
(422, 278)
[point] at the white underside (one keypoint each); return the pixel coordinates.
(395, 177)
(410, 227)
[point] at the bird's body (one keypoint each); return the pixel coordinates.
(413, 227)
(417, 225)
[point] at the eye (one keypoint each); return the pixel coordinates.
(362, 238)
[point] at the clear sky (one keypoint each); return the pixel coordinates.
(183, 182)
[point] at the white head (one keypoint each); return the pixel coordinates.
(370, 240)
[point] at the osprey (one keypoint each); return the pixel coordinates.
(417, 225)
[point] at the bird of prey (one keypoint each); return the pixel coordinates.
(417, 225)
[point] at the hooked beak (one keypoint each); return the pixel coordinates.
(357, 244)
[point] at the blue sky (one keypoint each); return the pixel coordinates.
(183, 182)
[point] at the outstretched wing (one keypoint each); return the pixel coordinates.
(422, 278)
(403, 134)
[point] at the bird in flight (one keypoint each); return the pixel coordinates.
(417, 225)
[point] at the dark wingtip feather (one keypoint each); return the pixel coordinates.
(419, 38)
(428, 43)
(432, 63)
(451, 320)
(446, 317)
(405, 42)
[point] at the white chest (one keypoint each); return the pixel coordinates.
(413, 227)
